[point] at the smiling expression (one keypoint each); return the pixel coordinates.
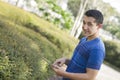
(90, 27)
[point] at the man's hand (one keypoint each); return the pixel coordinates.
(60, 62)
(58, 70)
(58, 67)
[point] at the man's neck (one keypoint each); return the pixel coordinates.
(91, 37)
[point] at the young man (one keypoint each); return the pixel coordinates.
(89, 53)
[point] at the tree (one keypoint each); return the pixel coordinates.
(55, 14)
(76, 30)
(17, 2)
(73, 6)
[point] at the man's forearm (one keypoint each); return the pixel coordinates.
(76, 76)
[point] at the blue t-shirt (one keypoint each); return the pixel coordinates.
(87, 54)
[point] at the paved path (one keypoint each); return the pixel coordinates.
(107, 73)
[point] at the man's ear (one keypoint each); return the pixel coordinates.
(100, 25)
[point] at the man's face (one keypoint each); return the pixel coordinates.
(90, 27)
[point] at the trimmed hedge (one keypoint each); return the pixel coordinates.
(29, 45)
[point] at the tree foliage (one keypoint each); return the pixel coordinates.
(74, 6)
(55, 14)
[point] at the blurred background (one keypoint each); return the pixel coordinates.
(34, 33)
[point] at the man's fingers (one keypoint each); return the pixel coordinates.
(55, 66)
(58, 64)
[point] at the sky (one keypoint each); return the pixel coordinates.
(114, 3)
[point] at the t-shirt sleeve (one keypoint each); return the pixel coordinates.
(95, 59)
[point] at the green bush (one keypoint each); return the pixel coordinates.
(113, 53)
(29, 45)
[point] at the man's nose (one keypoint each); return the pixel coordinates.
(85, 26)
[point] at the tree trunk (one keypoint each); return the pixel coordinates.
(17, 2)
(77, 27)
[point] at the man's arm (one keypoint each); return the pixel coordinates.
(89, 75)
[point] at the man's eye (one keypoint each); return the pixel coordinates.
(83, 22)
(89, 24)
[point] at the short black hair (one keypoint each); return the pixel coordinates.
(95, 14)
